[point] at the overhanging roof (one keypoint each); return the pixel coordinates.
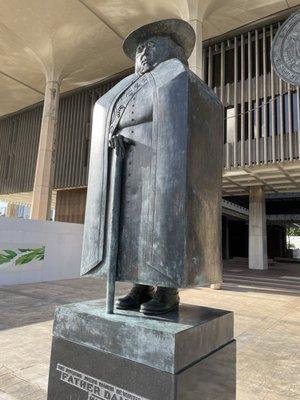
(81, 40)
(277, 178)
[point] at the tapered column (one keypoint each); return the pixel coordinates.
(258, 258)
(195, 61)
(43, 182)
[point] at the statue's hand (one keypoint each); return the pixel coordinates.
(119, 143)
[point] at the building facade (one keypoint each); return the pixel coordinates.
(261, 145)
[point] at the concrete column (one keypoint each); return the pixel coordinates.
(227, 255)
(195, 60)
(43, 182)
(258, 257)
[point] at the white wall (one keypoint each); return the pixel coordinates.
(62, 241)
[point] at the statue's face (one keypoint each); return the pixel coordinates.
(151, 53)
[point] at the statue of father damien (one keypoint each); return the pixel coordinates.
(167, 127)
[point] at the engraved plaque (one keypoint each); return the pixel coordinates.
(285, 52)
(94, 388)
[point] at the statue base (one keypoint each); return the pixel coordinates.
(187, 354)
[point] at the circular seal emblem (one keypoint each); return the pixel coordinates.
(285, 52)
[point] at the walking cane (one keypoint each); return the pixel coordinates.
(118, 153)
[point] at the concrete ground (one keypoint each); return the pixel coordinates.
(267, 330)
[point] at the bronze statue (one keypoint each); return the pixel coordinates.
(154, 192)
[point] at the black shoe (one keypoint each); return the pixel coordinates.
(164, 300)
(138, 294)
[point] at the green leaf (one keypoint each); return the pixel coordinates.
(24, 250)
(37, 250)
(3, 261)
(33, 254)
(24, 259)
(11, 253)
(6, 258)
(40, 249)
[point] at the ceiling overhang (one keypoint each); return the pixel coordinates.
(277, 178)
(80, 41)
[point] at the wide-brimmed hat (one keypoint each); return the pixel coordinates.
(180, 31)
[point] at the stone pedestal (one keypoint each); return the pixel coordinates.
(187, 354)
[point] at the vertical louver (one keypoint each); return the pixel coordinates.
(262, 111)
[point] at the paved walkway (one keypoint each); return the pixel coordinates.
(266, 307)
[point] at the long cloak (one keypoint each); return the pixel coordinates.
(184, 191)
